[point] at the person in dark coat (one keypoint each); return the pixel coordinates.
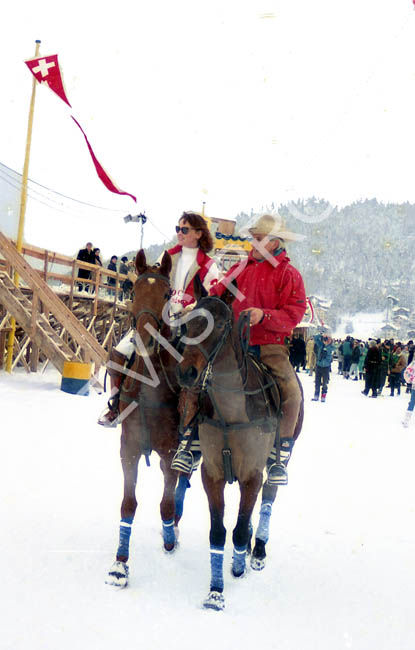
(347, 356)
(354, 368)
(97, 253)
(297, 352)
(85, 255)
(112, 266)
(98, 262)
(384, 368)
(324, 349)
(372, 366)
(127, 285)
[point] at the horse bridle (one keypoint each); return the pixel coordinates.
(148, 310)
(206, 374)
(159, 322)
(205, 385)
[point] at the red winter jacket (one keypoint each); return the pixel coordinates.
(277, 290)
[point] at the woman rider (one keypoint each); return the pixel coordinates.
(189, 259)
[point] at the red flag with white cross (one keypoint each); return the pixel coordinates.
(46, 70)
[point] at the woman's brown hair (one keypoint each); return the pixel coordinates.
(197, 222)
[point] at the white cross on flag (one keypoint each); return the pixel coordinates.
(46, 70)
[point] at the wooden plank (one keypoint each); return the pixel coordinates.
(21, 349)
(56, 306)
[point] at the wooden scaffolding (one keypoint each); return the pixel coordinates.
(59, 316)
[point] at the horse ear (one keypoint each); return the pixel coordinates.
(140, 262)
(199, 289)
(229, 296)
(165, 266)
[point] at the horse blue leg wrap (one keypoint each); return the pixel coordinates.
(239, 560)
(168, 531)
(262, 532)
(125, 534)
(179, 494)
(216, 567)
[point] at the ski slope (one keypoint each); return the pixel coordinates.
(340, 570)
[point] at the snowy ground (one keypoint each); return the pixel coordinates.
(340, 571)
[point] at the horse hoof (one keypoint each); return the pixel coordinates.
(240, 574)
(118, 575)
(257, 563)
(170, 548)
(215, 600)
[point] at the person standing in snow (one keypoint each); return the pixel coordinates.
(384, 367)
(410, 345)
(324, 354)
(310, 355)
(297, 351)
(354, 368)
(347, 356)
(363, 353)
(409, 375)
(372, 366)
(398, 365)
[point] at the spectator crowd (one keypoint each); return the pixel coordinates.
(92, 255)
(383, 365)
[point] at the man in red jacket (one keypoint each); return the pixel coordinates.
(273, 293)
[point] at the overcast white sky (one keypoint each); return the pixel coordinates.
(234, 102)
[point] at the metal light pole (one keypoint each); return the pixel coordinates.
(138, 218)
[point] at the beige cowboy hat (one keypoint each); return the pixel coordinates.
(274, 225)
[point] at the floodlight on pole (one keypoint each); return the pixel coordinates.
(138, 218)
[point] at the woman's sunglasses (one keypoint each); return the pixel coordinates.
(184, 229)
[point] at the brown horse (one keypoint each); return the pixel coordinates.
(148, 407)
(238, 420)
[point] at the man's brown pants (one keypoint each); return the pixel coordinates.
(277, 359)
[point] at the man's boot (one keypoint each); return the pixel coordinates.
(109, 417)
(407, 418)
(323, 397)
(277, 471)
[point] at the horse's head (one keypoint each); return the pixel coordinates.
(151, 293)
(205, 337)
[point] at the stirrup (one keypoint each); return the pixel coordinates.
(277, 474)
(183, 461)
(109, 418)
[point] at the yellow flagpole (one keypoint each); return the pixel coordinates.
(23, 201)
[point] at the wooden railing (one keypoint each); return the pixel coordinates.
(61, 273)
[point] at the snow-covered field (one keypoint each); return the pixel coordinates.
(340, 571)
(364, 325)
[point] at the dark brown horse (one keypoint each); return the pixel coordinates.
(148, 407)
(238, 420)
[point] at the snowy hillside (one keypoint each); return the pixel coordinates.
(340, 571)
